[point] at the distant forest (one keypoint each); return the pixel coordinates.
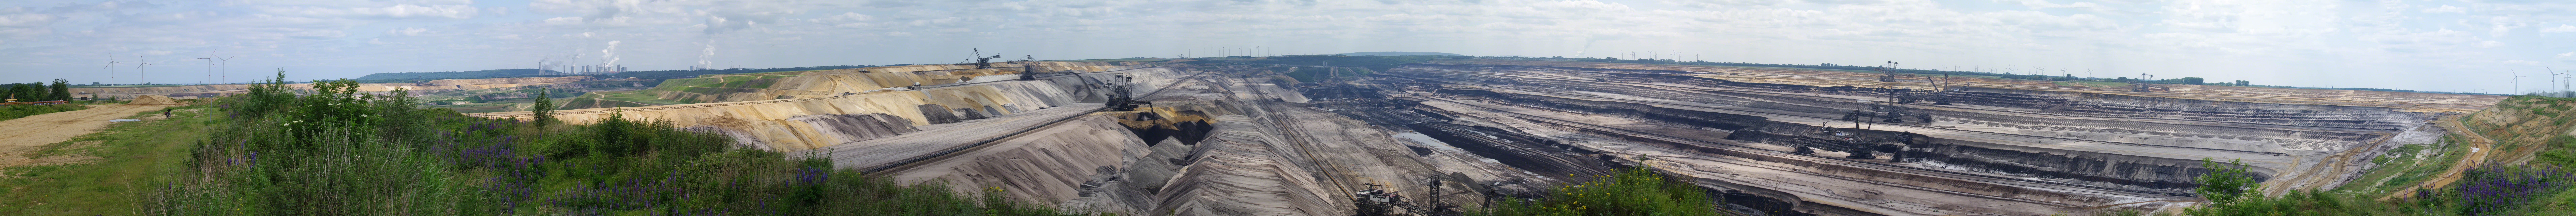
(2061, 77)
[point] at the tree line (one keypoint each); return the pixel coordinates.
(37, 91)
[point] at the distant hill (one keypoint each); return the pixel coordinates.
(1399, 53)
(454, 74)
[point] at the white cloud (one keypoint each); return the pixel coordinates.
(22, 20)
(2446, 9)
(2560, 28)
(399, 11)
(406, 31)
(563, 20)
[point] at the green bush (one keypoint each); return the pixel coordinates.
(1632, 191)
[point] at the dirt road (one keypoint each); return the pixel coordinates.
(25, 134)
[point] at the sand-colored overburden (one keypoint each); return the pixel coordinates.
(819, 83)
(153, 100)
(191, 91)
(765, 123)
(31, 131)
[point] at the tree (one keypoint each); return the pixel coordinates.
(544, 109)
(62, 90)
(2242, 83)
(26, 92)
(2226, 182)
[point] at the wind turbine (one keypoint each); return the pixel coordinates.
(139, 76)
(2562, 82)
(210, 67)
(111, 68)
(225, 70)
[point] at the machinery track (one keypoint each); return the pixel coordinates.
(944, 154)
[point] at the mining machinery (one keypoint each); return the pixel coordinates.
(2140, 84)
(982, 61)
(1029, 68)
(1121, 100)
(1857, 145)
(1374, 201)
(1887, 73)
(1894, 113)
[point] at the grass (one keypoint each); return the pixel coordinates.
(703, 86)
(1631, 191)
(341, 153)
(2408, 166)
(22, 111)
(131, 155)
(2538, 187)
(334, 151)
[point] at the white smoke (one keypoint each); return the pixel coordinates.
(707, 57)
(610, 53)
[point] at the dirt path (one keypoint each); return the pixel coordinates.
(2482, 144)
(25, 134)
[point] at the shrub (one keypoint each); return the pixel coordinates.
(1631, 191)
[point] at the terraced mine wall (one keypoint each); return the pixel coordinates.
(824, 83)
(1214, 150)
(2110, 170)
(1769, 200)
(2021, 140)
(2358, 95)
(2054, 102)
(2334, 127)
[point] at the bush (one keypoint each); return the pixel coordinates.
(2503, 190)
(1632, 191)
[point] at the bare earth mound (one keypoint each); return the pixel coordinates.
(153, 100)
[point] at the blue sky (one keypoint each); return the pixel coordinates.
(2466, 46)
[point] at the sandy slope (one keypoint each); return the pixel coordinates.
(24, 134)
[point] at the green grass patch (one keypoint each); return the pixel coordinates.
(131, 156)
(2400, 167)
(1631, 191)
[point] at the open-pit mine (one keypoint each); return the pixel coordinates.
(1218, 137)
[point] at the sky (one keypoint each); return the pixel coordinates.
(2442, 45)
